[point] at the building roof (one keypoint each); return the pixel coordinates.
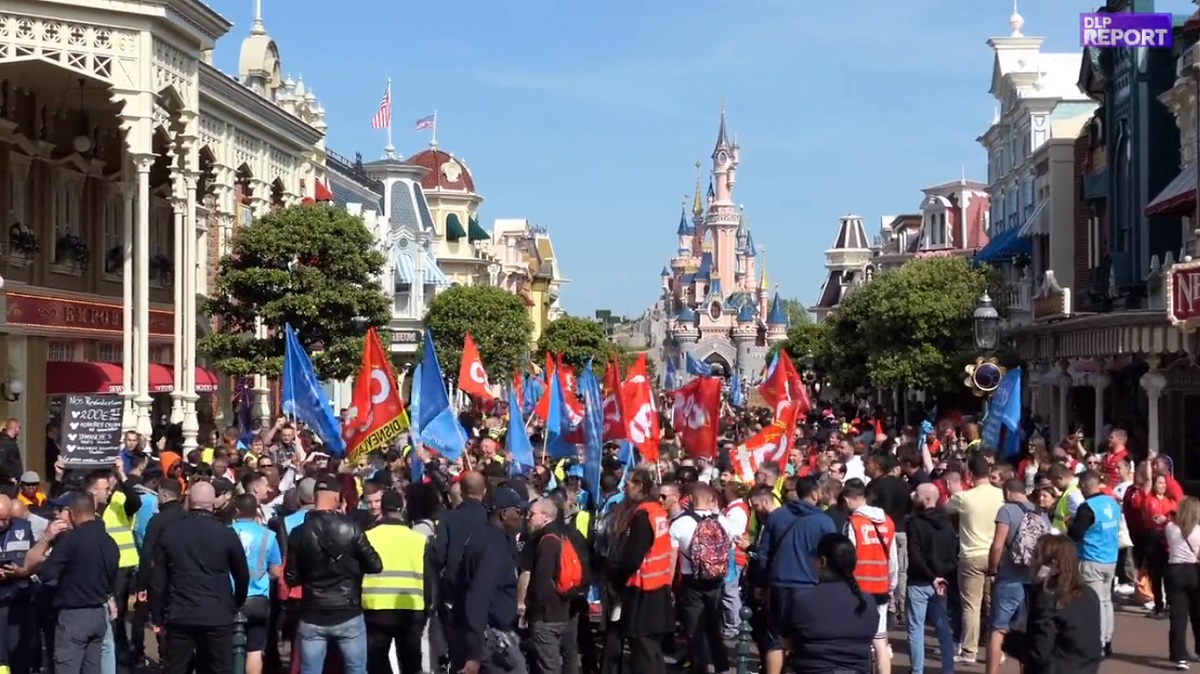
(685, 228)
(746, 314)
(446, 172)
(831, 292)
(852, 234)
(777, 315)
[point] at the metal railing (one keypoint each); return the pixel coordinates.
(353, 169)
(1018, 297)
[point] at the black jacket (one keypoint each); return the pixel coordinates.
(168, 514)
(932, 546)
(1062, 640)
(895, 497)
(486, 590)
(193, 563)
(10, 458)
(450, 538)
(327, 556)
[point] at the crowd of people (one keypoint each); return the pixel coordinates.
(355, 566)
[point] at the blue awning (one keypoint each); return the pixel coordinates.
(405, 269)
(1005, 245)
(433, 273)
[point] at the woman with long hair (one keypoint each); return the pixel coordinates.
(1157, 510)
(1182, 579)
(1063, 627)
(836, 625)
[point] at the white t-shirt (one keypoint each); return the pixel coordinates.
(682, 530)
(738, 518)
(855, 468)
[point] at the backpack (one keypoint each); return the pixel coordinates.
(709, 550)
(1031, 528)
(568, 575)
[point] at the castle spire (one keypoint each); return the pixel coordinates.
(763, 283)
(722, 133)
(697, 206)
(257, 28)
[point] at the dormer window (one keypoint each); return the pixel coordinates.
(935, 234)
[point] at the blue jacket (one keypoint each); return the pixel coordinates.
(829, 634)
(791, 535)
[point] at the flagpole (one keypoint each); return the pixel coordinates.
(389, 149)
(433, 138)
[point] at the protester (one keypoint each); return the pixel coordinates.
(1062, 632)
(834, 629)
(396, 600)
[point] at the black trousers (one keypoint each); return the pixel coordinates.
(646, 655)
(1183, 598)
(403, 627)
(212, 648)
(702, 614)
(131, 642)
(16, 632)
(1156, 565)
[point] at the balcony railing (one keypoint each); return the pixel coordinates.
(1018, 297)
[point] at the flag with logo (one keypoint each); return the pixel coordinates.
(770, 445)
(784, 385)
(556, 373)
(440, 429)
(1004, 413)
(640, 415)
(614, 409)
(303, 396)
(376, 415)
(696, 413)
(697, 367)
(472, 378)
(516, 440)
(558, 422)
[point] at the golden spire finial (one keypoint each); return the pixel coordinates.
(697, 204)
(763, 283)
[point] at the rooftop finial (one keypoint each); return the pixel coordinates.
(697, 205)
(258, 28)
(1016, 22)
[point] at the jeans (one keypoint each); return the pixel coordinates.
(351, 640)
(731, 602)
(546, 642)
(898, 594)
(108, 652)
(1099, 577)
(922, 603)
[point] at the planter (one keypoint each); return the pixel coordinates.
(72, 250)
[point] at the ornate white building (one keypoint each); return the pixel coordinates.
(129, 160)
(528, 266)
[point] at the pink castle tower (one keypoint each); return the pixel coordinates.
(723, 219)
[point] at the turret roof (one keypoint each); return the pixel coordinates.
(777, 315)
(665, 272)
(751, 250)
(685, 228)
(746, 315)
(852, 234)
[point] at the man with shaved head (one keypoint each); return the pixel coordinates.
(450, 539)
(932, 559)
(190, 593)
(539, 602)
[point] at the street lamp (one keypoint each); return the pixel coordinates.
(987, 325)
(810, 362)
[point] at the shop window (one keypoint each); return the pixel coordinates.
(63, 351)
(110, 352)
(114, 234)
(164, 355)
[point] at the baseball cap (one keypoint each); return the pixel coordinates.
(30, 477)
(305, 489)
(327, 483)
(392, 501)
(505, 497)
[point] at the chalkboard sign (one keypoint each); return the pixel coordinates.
(91, 429)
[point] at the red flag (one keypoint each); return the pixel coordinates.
(614, 415)
(641, 418)
(377, 414)
(697, 410)
(574, 407)
(770, 445)
(783, 386)
(519, 388)
(472, 378)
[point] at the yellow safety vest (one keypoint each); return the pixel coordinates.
(583, 522)
(401, 585)
(120, 528)
(1062, 509)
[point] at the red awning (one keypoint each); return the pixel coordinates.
(162, 379)
(1178, 197)
(322, 193)
(206, 380)
(64, 377)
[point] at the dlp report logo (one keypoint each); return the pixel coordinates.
(1125, 30)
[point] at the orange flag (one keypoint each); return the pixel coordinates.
(377, 413)
(641, 417)
(472, 378)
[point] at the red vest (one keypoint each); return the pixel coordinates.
(739, 555)
(655, 572)
(873, 544)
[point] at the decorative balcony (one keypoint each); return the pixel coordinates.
(1018, 297)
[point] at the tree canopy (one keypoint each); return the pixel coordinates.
(577, 339)
(910, 326)
(314, 267)
(805, 338)
(797, 313)
(497, 321)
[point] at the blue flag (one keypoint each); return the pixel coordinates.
(558, 423)
(414, 404)
(669, 378)
(1004, 411)
(439, 425)
(771, 367)
(516, 440)
(697, 367)
(304, 398)
(737, 397)
(531, 392)
(593, 429)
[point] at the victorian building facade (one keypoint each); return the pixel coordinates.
(128, 161)
(716, 305)
(528, 267)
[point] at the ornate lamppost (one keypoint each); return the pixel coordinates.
(809, 374)
(984, 375)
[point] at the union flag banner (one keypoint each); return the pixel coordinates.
(770, 445)
(574, 407)
(697, 410)
(641, 417)
(376, 415)
(614, 409)
(472, 378)
(784, 385)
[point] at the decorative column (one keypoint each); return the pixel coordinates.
(260, 205)
(178, 205)
(185, 279)
(1153, 383)
(1030, 397)
(128, 335)
(1099, 382)
(1065, 382)
(141, 286)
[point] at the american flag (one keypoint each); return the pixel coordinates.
(427, 122)
(383, 117)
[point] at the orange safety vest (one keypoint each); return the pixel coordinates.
(655, 571)
(739, 555)
(38, 501)
(873, 543)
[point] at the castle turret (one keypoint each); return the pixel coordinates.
(745, 335)
(777, 320)
(723, 217)
(666, 278)
(684, 329)
(686, 233)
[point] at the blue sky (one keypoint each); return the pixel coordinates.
(587, 118)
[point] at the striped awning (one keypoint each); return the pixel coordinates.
(405, 271)
(434, 276)
(1038, 222)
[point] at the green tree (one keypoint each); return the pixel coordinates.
(577, 339)
(910, 326)
(497, 321)
(803, 339)
(314, 267)
(796, 312)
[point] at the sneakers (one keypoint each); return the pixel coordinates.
(965, 659)
(1125, 590)
(1183, 665)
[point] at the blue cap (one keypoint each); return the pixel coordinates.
(63, 500)
(575, 471)
(505, 497)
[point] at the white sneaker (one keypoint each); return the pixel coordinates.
(1149, 606)
(1182, 665)
(1124, 590)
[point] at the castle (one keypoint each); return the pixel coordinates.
(715, 304)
